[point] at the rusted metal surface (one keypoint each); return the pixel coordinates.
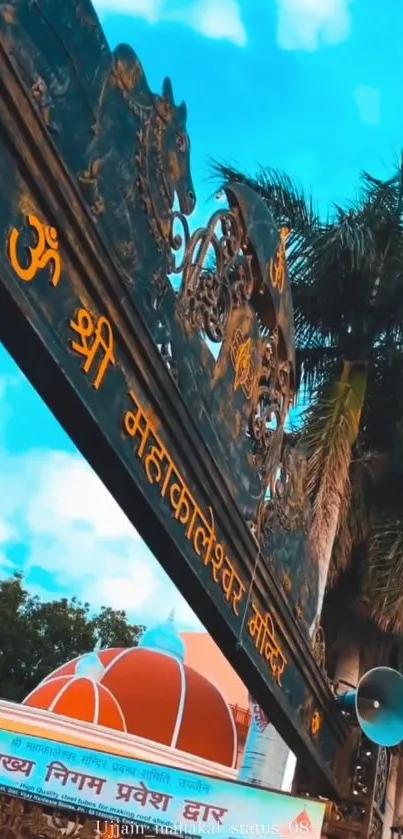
(190, 442)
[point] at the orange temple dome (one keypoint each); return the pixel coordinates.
(148, 691)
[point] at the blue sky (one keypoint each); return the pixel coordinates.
(309, 86)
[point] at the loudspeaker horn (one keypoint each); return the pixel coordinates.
(378, 704)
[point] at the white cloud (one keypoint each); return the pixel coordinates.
(368, 102)
(216, 19)
(129, 592)
(57, 510)
(6, 532)
(307, 24)
(90, 504)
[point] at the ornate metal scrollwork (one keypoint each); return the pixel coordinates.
(381, 778)
(281, 465)
(375, 826)
(319, 646)
(285, 503)
(221, 273)
(209, 292)
(270, 409)
(179, 241)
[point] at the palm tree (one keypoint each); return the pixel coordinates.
(347, 279)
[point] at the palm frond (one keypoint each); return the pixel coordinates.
(343, 542)
(316, 363)
(386, 195)
(383, 575)
(286, 200)
(330, 430)
(327, 433)
(348, 237)
(381, 422)
(355, 512)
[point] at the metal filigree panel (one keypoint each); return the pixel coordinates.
(375, 827)
(381, 779)
(361, 811)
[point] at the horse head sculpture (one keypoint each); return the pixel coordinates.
(174, 148)
(164, 155)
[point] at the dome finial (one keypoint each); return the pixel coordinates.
(164, 639)
(90, 665)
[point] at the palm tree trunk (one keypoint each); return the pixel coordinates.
(334, 430)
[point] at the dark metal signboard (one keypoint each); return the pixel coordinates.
(190, 442)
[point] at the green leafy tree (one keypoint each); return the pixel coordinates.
(36, 637)
(347, 283)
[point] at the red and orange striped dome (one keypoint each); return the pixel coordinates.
(147, 691)
(92, 701)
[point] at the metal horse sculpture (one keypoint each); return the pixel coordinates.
(142, 169)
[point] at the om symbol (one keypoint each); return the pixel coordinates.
(278, 266)
(243, 363)
(242, 360)
(316, 723)
(45, 252)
